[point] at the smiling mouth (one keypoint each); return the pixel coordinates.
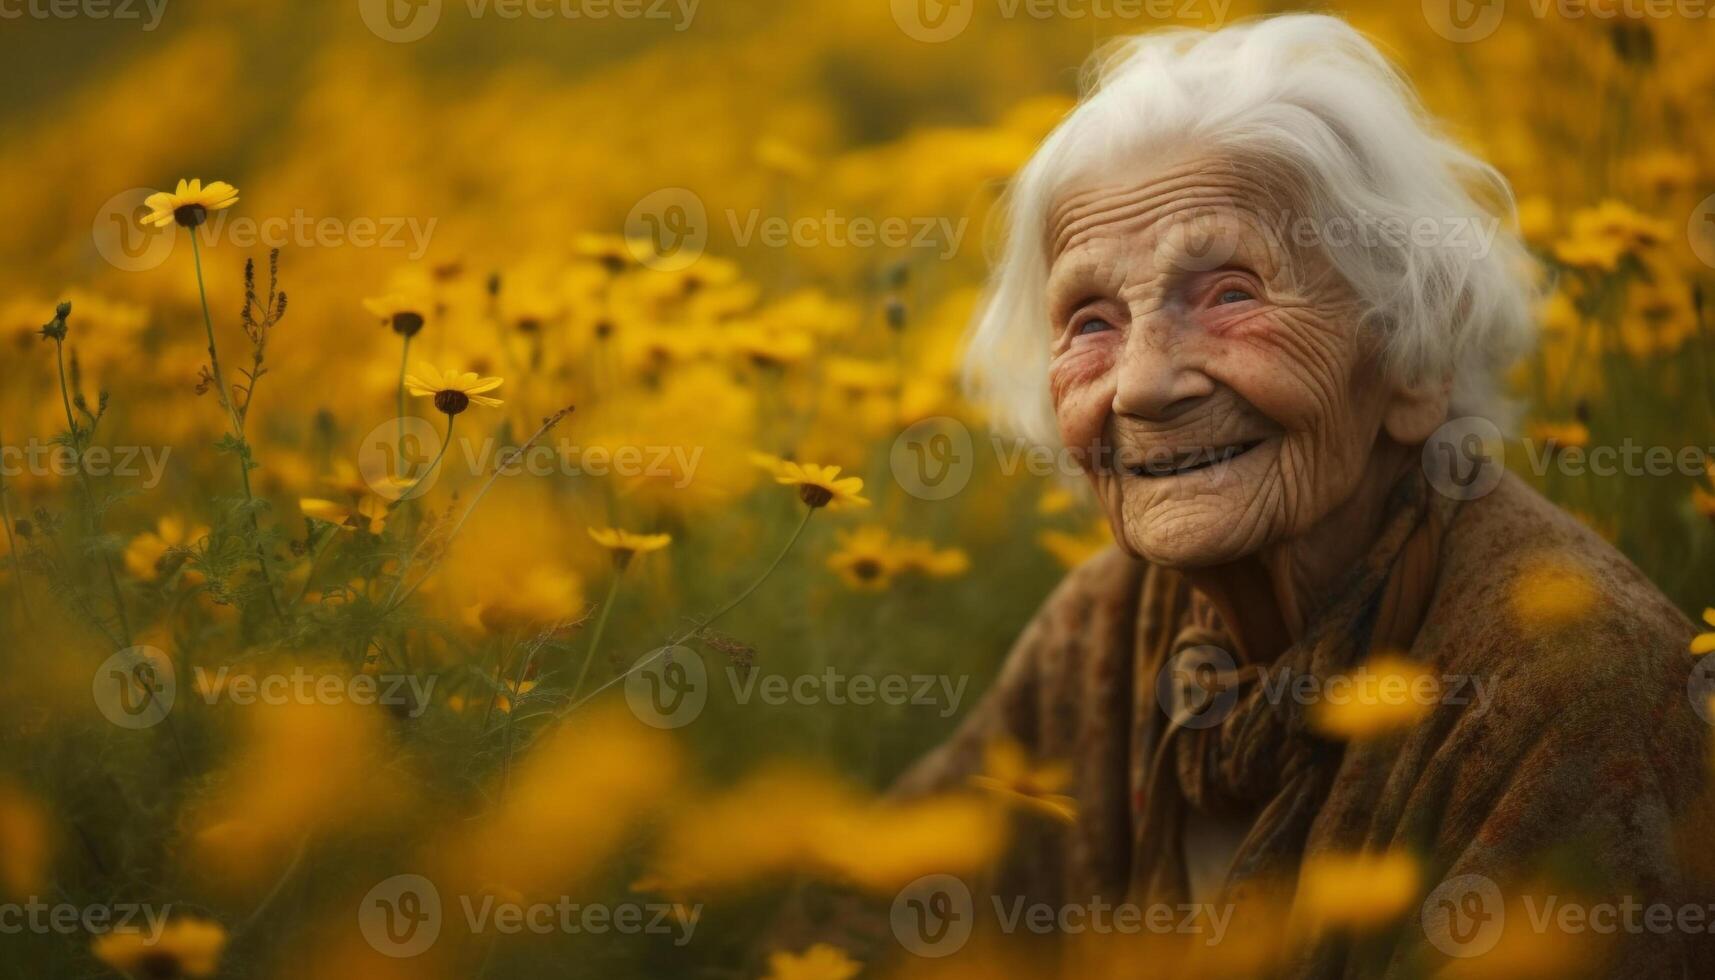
(1160, 465)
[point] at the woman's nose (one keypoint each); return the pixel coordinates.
(1157, 380)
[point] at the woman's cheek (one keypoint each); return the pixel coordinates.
(1082, 383)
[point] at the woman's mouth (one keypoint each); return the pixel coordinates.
(1159, 464)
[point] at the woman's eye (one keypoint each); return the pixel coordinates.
(1233, 296)
(1093, 326)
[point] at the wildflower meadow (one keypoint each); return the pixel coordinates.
(488, 492)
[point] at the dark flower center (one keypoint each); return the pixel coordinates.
(451, 402)
(159, 965)
(190, 215)
(815, 496)
(866, 568)
(406, 324)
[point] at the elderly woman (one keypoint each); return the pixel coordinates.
(1246, 283)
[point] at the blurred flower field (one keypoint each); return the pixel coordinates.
(553, 359)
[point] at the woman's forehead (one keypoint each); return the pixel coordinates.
(1170, 208)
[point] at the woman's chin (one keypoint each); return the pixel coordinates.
(1193, 534)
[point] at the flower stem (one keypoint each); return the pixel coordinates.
(600, 627)
(404, 359)
(327, 539)
(89, 495)
(12, 550)
(446, 440)
(394, 598)
(225, 397)
(707, 621)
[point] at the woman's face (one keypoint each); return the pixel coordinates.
(1213, 379)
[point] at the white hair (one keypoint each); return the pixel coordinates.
(1311, 95)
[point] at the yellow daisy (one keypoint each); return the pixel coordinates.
(453, 391)
(190, 204)
(145, 556)
(922, 557)
(1008, 774)
(1703, 643)
(819, 962)
(625, 544)
(369, 513)
(1702, 500)
(185, 948)
(404, 314)
(867, 560)
(818, 486)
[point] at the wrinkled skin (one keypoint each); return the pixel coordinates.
(1230, 413)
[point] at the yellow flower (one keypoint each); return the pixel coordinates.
(25, 844)
(146, 555)
(783, 158)
(369, 513)
(1072, 550)
(613, 252)
(190, 204)
(625, 544)
(1536, 220)
(185, 948)
(1556, 436)
(922, 557)
(1703, 643)
(1355, 891)
(1702, 499)
(1551, 593)
(1007, 773)
(453, 391)
(866, 560)
(403, 313)
(818, 486)
(819, 962)
(767, 347)
(1383, 696)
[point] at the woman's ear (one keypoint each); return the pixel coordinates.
(1415, 411)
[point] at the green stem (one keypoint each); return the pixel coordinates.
(12, 549)
(327, 539)
(225, 397)
(600, 627)
(404, 359)
(446, 440)
(89, 495)
(394, 598)
(707, 621)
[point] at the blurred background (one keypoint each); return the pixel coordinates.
(718, 229)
